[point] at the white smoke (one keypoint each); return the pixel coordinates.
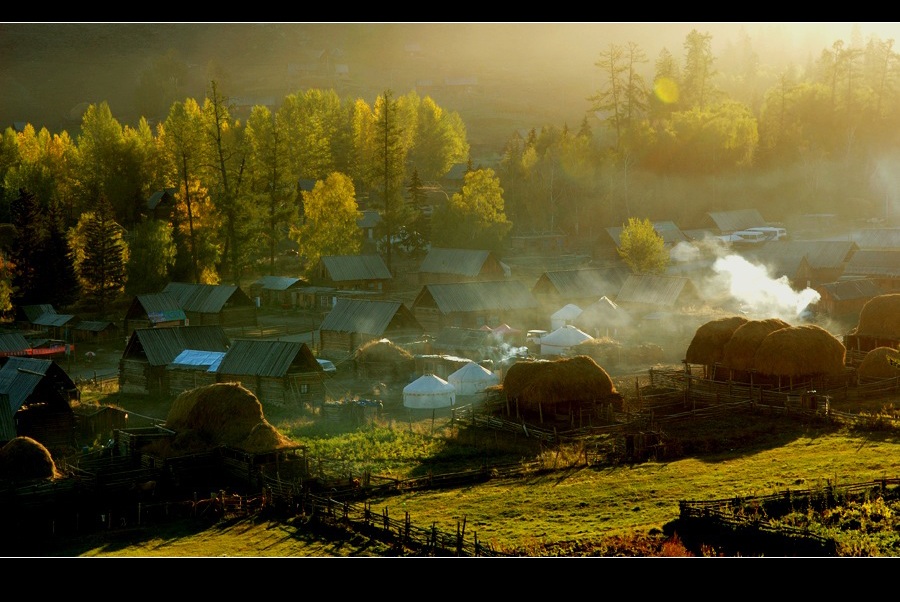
(760, 295)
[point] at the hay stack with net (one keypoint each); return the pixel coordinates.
(880, 317)
(740, 350)
(25, 459)
(881, 362)
(219, 414)
(708, 345)
(800, 351)
(560, 386)
(383, 360)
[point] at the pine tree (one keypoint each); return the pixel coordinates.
(56, 281)
(102, 267)
(26, 217)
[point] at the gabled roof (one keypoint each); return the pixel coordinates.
(738, 219)
(157, 197)
(161, 307)
(586, 282)
(33, 312)
(162, 345)
(203, 298)
(871, 262)
(671, 234)
(461, 262)
(13, 342)
(367, 316)
(820, 254)
(877, 238)
(267, 358)
(53, 319)
(19, 376)
(95, 325)
(355, 267)
(846, 290)
(279, 283)
(660, 291)
(501, 295)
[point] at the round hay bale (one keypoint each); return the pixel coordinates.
(880, 317)
(806, 350)
(876, 364)
(25, 459)
(578, 378)
(707, 346)
(740, 350)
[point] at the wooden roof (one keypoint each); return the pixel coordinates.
(461, 262)
(19, 376)
(206, 298)
(33, 312)
(877, 238)
(162, 345)
(874, 262)
(355, 267)
(658, 291)
(279, 283)
(585, 282)
(478, 296)
(738, 219)
(368, 316)
(267, 358)
(846, 290)
(820, 254)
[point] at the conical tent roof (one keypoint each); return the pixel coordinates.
(567, 312)
(472, 378)
(565, 336)
(429, 392)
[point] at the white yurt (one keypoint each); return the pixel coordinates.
(429, 392)
(564, 315)
(472, 379)
(562, 339)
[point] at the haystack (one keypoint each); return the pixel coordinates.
(25, 459)
(603, 350)
(576, 379)
(382, 359)
(807, 350)
(740, 350)
(880, 317)
(708, 345)
(382, 350)
(876, 364)
(220, 414)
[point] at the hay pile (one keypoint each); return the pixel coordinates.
(382, 350)
(578, 378)
(740, 350)
(880, 317)
(25, 459)
(219, 414)
(806, 350)
(876, 364)
(708, 345)
(604, 350)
